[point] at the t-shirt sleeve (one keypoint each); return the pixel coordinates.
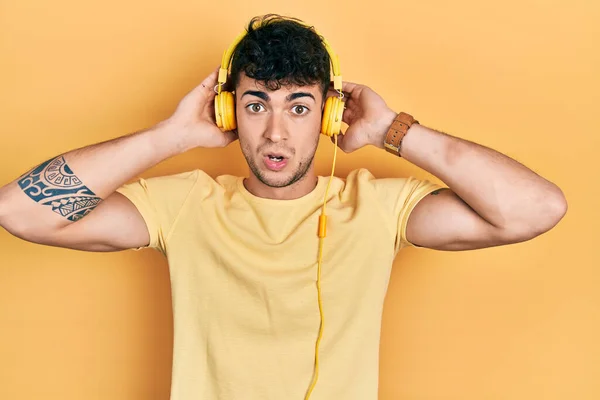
(159, 200)
(400, 196)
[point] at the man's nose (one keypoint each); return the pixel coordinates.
(276, 129)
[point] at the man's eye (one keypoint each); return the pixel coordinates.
(299, 110)
(255, 107)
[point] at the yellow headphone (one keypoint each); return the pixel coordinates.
(331, 122)
(331, 125)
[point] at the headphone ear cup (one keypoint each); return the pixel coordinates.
(218, 112)
(225, 111)
(326, 119)
(228, 107)
(336, 120)
(331, 124)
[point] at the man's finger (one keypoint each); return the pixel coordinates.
(209, 82)
(332, 93)
(348, 87)
(348, 116)
(340, 139)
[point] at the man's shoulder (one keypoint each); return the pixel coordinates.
(201, 181)
(359, 174)
(359, 183)
(364, 177)
(189, 178)
(363, 181)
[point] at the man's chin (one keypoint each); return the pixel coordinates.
(276, 179)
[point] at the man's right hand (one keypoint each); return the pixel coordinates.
(38, 207)
(195, 117)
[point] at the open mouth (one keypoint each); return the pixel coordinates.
(275, 162)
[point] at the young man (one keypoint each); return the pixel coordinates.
(242, 252)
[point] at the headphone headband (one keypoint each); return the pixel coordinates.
(228, 54)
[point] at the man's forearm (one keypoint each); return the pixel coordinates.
(106, 166)
(502, 191)
(67, 187)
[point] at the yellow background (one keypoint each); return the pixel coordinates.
(516, 322)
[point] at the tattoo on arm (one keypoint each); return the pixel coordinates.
(54, 184)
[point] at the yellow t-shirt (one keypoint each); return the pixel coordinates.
(243, 276)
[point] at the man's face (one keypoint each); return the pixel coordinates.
(278, 130)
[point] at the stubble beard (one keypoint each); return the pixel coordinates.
(298, 174)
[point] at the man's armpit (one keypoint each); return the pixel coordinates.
(437, 191)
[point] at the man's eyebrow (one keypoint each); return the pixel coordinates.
(298, 95)
(257, 93)
(265, 96)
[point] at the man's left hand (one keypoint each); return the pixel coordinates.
(367, 116)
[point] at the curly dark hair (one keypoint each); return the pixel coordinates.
(281, 51)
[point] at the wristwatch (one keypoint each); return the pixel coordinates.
(394, 136)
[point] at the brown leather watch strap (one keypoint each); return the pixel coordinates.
(393, 139)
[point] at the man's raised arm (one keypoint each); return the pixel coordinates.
(493, 200)
(50, 204)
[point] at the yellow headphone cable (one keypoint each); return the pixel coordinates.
(322, 233)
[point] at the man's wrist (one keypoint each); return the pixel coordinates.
(173, 139)
(381, 131)
(397, 132)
